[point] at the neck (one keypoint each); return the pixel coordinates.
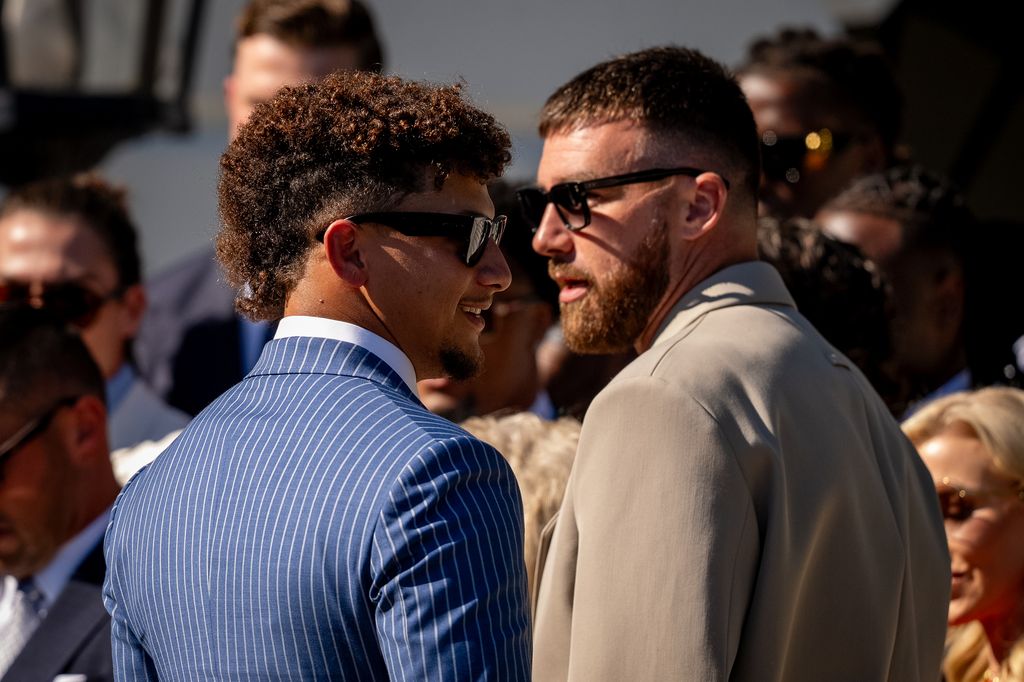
(1002, 635)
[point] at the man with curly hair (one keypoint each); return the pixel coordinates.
(742, 505)
(192, 346)
(317, 522)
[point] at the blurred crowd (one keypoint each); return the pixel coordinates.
(880, 254)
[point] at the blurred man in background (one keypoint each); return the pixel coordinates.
(56, 489)
(827, 111)
(69, 245)
(192, 345)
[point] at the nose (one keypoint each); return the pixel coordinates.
(552, 237)
(492, 271)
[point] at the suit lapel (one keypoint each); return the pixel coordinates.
(72, 621)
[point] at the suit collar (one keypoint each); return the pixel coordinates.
(311, 355)
(751, 283)
(70, 624)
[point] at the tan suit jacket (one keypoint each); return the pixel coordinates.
(743, 507)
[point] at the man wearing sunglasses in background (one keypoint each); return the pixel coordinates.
(742, 505)
(316, 521)
(827, 111)
(68, 245)
(56, 489)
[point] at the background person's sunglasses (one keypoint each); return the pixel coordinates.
(787, 157)
(67, 301)
(570, 198)
(472, 231)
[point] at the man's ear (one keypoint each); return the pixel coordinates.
(706, 205)
(87, 434)
(342, 245)
(133, 307)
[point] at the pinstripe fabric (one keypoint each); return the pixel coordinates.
(317, 523)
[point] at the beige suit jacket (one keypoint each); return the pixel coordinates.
(743, 507)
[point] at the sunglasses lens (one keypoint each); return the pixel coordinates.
(14, 294)
(483, 231)
(571, 203)
(72, 303)
(953, 506)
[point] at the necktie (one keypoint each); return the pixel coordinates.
(21, 611)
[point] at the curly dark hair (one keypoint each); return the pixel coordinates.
(101, 206)
(351, 143)
(670, 89)
(316, 24)
(853, 75)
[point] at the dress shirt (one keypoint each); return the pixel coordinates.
(119, 385)
(322, 327)
(52, 579)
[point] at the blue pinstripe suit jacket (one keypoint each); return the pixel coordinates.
(317, 523)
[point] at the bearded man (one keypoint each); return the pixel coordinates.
(742, 505)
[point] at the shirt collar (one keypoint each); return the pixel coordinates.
(322, 327)
(52, 579)
(119, 385)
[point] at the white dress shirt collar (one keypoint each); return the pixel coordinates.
(322, 327)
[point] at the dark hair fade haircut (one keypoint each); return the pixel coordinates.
(354, 142)
(100, 206)
(669, 89)
(42, 360)
(316, 24)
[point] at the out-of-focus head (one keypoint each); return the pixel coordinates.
(914, 226)
(623, 246)
(299, 180)
(973, 445)
(516, 322)
(840, 292)
(69, 245)
(282, 43)
(827, 110)
(540, 453)
(55, 472)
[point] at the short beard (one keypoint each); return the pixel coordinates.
(460, 365)
(618, 307)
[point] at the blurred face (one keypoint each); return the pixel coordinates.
(434, 316)
(35, 517)
(798, 180)
(44, 250)
(613, 273)
(984, 527)
(516, 323)
(264, 65)
(922, 338)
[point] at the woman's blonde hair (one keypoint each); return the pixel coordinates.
(996, 416)
(540, 453)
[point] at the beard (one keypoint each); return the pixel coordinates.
(460, 365)
(618, 304)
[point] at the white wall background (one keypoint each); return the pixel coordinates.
(511, 55)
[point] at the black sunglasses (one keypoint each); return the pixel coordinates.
(570, 198)
(787, 157)
(69, 302)
(30, 430)
(472, 231)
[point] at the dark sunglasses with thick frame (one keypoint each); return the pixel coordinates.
(788, 157)
(570, 198)
(31, 429)
(473, 232)
(69, 302)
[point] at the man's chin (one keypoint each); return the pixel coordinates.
(459, 364)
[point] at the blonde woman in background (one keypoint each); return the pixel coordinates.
(973, 444)
(540, 453)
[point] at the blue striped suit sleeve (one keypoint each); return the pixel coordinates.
(449, 584)
(131, 662)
